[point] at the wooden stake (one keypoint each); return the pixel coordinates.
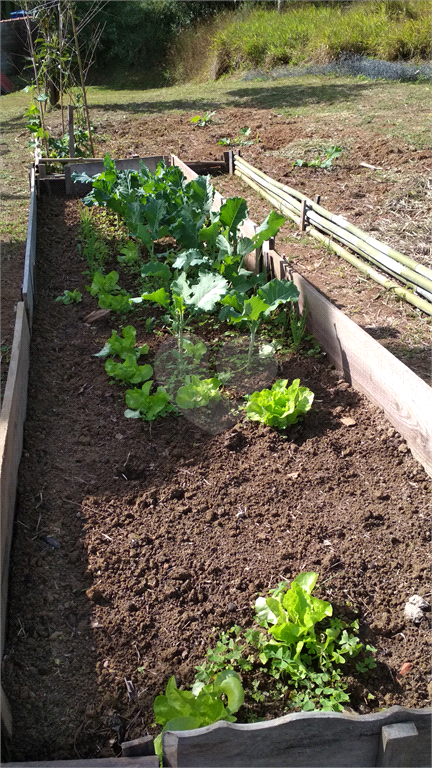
(303, 216)
(71, 131)
(317, 199)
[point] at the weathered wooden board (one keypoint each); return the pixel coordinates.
(150, 761)
(92, 167)
(28, 285)
(371, 369)
(398, 746)
(11, 439)
(300, 740)
(6, 716)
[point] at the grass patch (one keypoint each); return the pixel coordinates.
(388, 30)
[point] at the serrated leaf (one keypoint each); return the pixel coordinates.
(160, 297)
(208, 291)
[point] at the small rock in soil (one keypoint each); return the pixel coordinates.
(95, 595)
(413, 610)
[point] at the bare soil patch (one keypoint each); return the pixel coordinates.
(133, 542)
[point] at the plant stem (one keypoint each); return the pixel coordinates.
(253, 330)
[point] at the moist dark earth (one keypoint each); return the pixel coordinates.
(133, 541)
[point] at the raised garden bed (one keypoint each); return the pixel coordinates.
(168, 531)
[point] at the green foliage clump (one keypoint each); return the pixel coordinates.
(279, 406)
(179, 710)
(296, 651)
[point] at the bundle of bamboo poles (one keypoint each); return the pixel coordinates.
(338, 234)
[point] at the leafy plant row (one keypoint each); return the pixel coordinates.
(189, 259)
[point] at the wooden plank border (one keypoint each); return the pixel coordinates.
(370, 368)
(302, 739)
(28, 285)
(12, 419)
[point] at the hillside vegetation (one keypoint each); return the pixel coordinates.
(257, 36)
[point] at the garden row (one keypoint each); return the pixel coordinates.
(183, 281)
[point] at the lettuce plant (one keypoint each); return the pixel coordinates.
(179, 710)
(123, 345)
(146, 406)
(70, 297)
(109, 293)
(129, 370)
(196, 393)
(279, 406)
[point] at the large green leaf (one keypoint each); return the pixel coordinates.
(278, 292)
(269, 228)
(160, 297)
(232, 213)
(208, 291)
(189, 258)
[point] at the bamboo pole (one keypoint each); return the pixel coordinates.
(338, 220)
(365, 268)
(281, 206)
(366, 250)
(32, 54)
(81, 78)
(389, 285)
(60, 33)
(342, 230)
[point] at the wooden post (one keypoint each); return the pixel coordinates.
(229, 161)
(303, 216)
(398, 745)
(317, 199)
(71, 131)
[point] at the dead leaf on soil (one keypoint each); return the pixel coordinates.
(405, 668)
(97, 314)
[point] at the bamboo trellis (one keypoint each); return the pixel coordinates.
(338, 235)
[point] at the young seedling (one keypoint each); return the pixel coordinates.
(70, 297)
(237, 308)
(202, 120)
(332, 154)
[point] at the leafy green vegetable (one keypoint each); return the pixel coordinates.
(69, 297)
(179, 710)
(198, 392)
(279, 406)
(129, 370)
(146, 406)
(123, 345)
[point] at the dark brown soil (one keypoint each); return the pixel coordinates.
(133, 541)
